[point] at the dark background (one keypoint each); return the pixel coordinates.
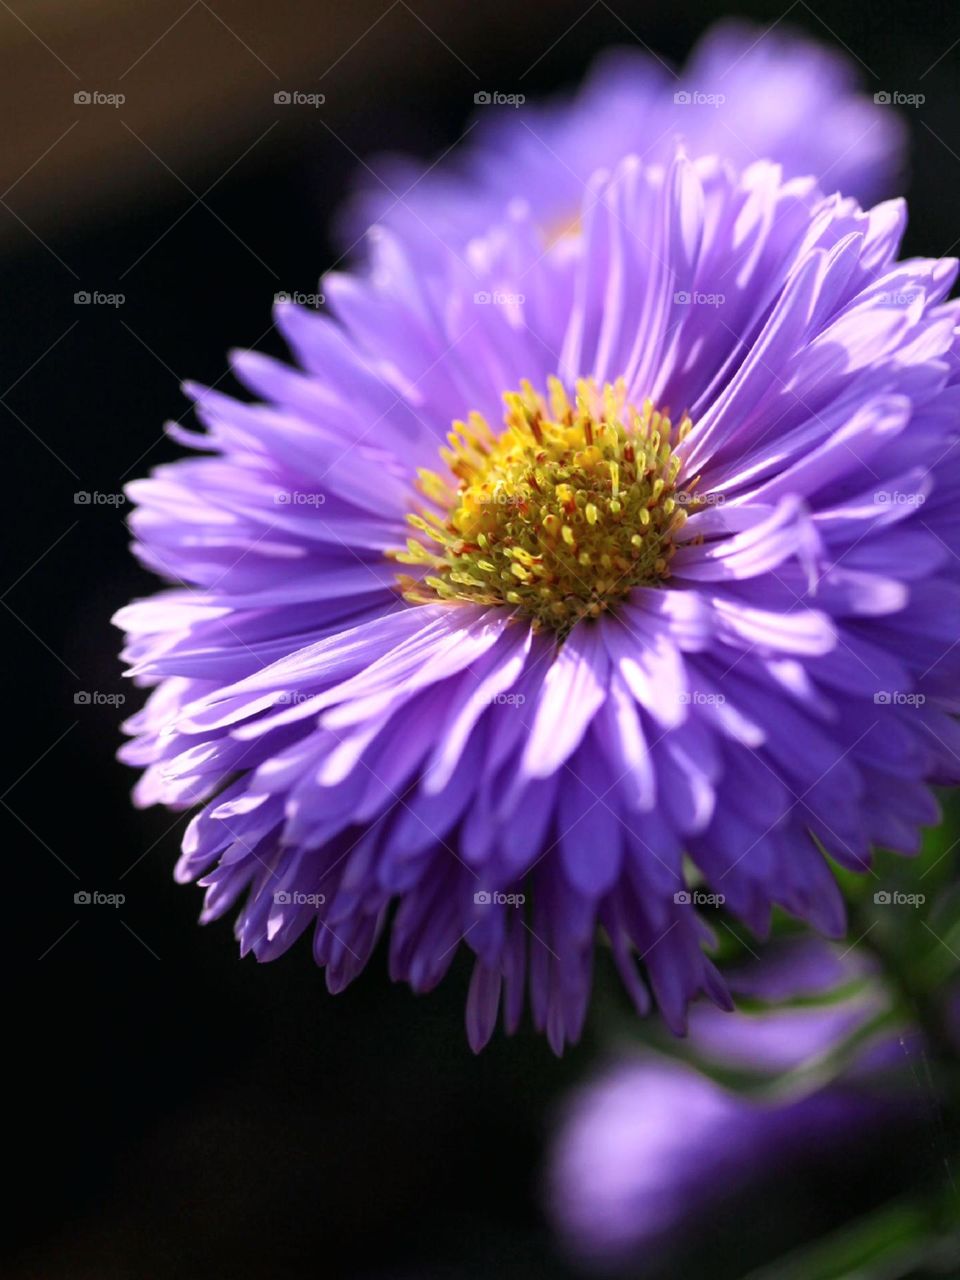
(175, 1111)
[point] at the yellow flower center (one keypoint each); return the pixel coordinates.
(559, 515)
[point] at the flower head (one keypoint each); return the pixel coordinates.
(547, 572)
(745, 94)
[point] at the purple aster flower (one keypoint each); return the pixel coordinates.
(653, 1143)
(745, 94)
(474, 640)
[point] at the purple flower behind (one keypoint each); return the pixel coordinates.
(746, 94)
(654, 1145)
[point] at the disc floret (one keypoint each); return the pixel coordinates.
(560, 515)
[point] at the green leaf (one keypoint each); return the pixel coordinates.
(903, 1239)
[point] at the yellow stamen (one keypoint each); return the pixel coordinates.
(558, 516)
